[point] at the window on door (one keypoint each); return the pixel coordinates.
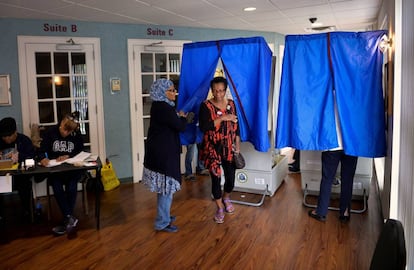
(155, 66)
(62, 88)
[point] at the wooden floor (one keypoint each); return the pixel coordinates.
(277, 235)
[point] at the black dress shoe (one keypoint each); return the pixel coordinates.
(316, 216)
(294, 169)
(344, 219)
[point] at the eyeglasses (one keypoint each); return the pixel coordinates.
(172, 90)
(219, 90)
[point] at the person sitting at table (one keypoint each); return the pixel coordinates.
(61, 142)
(17, 147)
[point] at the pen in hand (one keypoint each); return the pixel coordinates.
(45, 161)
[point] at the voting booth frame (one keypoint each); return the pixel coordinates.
(311, 175)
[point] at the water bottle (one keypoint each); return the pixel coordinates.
(38, 211)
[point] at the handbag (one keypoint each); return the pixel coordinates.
(239, 161)
(108, 177)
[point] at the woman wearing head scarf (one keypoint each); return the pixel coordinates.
(162, 151)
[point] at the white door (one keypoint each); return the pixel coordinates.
(59, 76)
(148, 60)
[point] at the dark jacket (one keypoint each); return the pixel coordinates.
(163, 147)
(55, 145)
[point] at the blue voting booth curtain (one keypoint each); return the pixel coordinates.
(313, 66)
(305, 118)
(247, 63)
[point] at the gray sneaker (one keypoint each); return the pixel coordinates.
(190, 177)
(203, 172)
(59, 230)
(71, 223)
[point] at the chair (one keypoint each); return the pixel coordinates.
(390, 251)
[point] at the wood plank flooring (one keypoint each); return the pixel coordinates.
(277, 235)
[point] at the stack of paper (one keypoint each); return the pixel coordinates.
(79, 158)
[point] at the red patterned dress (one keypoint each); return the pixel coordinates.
(217, 140)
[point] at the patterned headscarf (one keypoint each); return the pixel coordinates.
(158, 89)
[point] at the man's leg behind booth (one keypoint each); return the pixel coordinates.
(294, 167)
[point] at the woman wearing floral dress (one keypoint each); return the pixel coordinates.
(218, 122)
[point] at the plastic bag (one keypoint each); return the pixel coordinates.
(108, 177)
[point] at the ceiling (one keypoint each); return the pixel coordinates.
(282, 16)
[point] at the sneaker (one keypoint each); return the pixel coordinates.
(170, 228)
(204, 172)
(190, 177)
(71, 223)
(294, 169)
(336, 182)
(59, 230)
(219, 216)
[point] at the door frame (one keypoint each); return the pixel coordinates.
(136, 104)
(23, 41)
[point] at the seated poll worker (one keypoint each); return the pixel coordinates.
(61, 142)
(17, 147)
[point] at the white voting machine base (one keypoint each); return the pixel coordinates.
(311, 174)
(263, 174)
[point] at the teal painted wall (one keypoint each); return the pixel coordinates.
(114, 60)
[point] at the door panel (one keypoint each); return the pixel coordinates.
(146, 64)
(55, 82)
(61, 84)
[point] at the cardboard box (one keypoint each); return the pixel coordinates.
(6, 163)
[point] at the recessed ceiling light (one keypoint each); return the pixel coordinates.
(249, 9)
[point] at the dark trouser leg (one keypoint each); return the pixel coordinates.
(295, 165)
(72, 190)
(348, 166)
(229, 175)
(215, 186)
(66, 198)
(296, 157)
(59, 193)
(330, 161)
(23, 185)
(1, 206)
(200, 163)
(189, 159)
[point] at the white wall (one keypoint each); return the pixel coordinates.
(402, 184)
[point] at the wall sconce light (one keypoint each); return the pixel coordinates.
(154, 47)
(385, 43)
(70, 45)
